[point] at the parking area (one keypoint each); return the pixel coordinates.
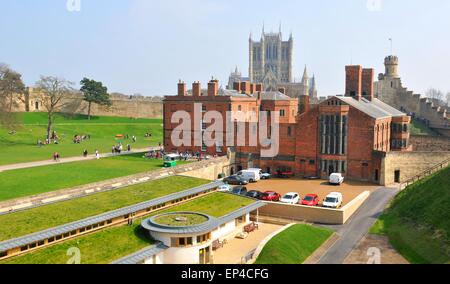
(349, 190)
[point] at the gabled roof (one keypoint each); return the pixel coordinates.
(375, 108)
(275, 96)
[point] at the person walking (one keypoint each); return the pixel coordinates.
(85, 153)
(97, 155)
(128, 147)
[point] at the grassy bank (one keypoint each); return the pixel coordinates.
(418, 220)
(37, 180)
(114, 243)
(294, 245)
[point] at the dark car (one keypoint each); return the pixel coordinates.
(235, 180)
(239, 190)
(255, 194)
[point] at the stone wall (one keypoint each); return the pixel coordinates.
(313, 214)
(410, 164)
(430, 143)
(122, 106)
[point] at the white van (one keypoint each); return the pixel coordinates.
(251, 176)
(336, 178)
(333, 200)
(258, 171)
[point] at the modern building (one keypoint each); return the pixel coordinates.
(189, 237)
(348, 134)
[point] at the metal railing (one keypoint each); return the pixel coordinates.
(426, 173)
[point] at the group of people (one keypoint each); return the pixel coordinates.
(77, 139)
(118, 149)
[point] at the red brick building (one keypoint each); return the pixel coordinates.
(346, 134)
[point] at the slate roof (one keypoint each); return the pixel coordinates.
(142, 254)
(375, 108)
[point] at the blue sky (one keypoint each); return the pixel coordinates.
(145, 46)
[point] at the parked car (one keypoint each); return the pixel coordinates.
(310, 200)
(271, 196)
(333, 200)
(250, 175)
(225, 188)
(266, 176)
(290, 198)
(336, 179)
(255, 194)
(239, 190)
(235, 180)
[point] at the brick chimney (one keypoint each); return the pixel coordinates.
(237, 86)
(182, 90)
(259, 87)
(368, 75)
(245, 87)
(213, 88)
(253, 88)
(353, 81)
(196, 89)
(303, 104)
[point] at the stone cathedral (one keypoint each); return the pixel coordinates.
(271, 63)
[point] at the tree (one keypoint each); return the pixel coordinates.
(437, 96)
(447, 99)
(94, 92)
(53, 91)
(12, 89)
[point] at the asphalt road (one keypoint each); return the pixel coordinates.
(357, 227)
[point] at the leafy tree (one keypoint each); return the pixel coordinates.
(12, 89)
(94, 92)
(53, 92)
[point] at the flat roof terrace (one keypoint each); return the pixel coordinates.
(114, 243)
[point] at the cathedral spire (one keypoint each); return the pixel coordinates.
(305, 75)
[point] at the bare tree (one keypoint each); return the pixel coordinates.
(437, 96)
(447, 99)
(52, 92)
(12, 89)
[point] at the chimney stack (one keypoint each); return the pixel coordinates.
(245, 87)
(259, 87)
(237, 86)
(213, 88)
(353, 81)
(368, 75)
(182, 90)
(303, 104)
(196, 89)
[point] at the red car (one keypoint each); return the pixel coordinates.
(271, 196)
(311, 200)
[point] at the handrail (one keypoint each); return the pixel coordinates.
(426, 173)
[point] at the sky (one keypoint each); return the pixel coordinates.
(146, 46)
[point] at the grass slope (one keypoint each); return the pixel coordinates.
(294, 245)
(419, 128)
(418, 220)
(22, 146)
(37, 180)
(49, 216)
(114, 243)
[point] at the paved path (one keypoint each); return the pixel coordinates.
(357, 227)
(68, 160)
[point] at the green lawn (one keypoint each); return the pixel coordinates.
(22, 146)
(49, 216)
(294, 245)
(418, 221)
(37, 180)
(114, 243)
